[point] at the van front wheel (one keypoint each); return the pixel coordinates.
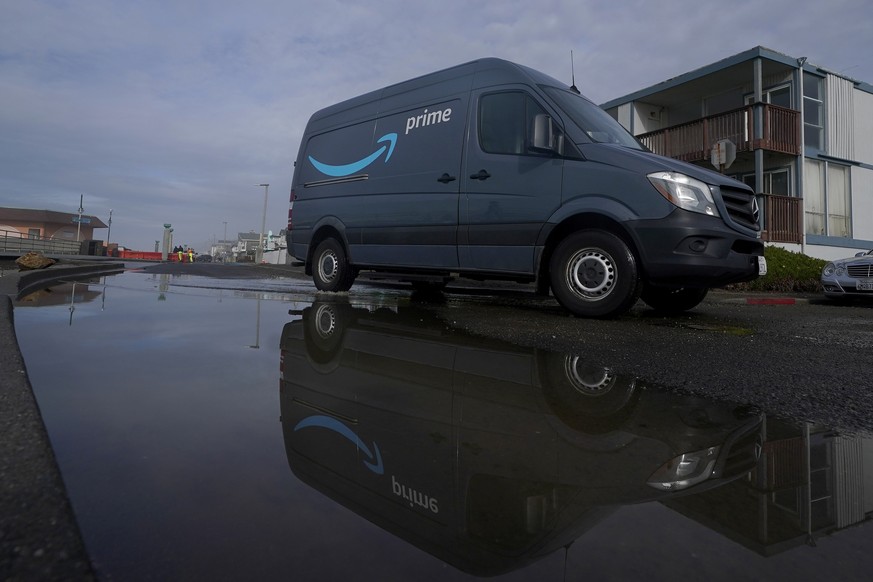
(331, 270)
(594, 274)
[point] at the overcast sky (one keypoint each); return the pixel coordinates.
(173, 111)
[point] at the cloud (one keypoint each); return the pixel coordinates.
(173, 111)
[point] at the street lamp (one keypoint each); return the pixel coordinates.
(259, 255)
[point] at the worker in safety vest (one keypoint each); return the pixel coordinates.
(190, 255)
(181, 254)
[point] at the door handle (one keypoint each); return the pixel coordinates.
(445, 178)
(481, 175)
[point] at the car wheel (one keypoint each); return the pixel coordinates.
(593, 273)
(331, 270)
(589, 398)
(672, 300)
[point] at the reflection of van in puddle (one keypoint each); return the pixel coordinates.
(492, 170)
(484, 454)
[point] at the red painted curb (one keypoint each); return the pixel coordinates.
(770, 301)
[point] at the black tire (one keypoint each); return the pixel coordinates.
(331, 270)
(586, 397)
(324, 328)
(428, 288)
(672, 300)
(594, 274)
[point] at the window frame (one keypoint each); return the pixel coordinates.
(826, 216)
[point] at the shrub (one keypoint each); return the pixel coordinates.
(787, 271)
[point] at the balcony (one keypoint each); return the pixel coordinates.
(783, 218)
(693, 141)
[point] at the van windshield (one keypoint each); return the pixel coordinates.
(594, 121)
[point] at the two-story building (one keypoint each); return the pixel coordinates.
(799, 134)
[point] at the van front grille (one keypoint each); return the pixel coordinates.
(742, 207)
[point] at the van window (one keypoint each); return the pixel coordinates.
(594, 121)
(504, 122)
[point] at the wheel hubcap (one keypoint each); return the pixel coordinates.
(325, 321)
(327, 266)
(591, 274)
(587, 379)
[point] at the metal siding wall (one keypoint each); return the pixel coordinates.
(840, 122)
(863, 117)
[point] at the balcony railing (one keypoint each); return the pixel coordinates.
(693, 141)
(783, 218)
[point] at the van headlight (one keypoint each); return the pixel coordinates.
(685, 192)
(685, 471)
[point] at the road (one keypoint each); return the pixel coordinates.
(807, 358)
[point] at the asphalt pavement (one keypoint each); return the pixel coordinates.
(39, 537)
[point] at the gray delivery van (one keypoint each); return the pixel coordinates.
(492, 170)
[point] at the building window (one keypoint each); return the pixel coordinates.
(813, 112)
(827, 196)
(32, 233)
(776, 182)
(780, 96)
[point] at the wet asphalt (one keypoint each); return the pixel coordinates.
(39, 537)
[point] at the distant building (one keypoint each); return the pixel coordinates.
(246, 246)
(47, 231)
(47, 224)
(803, 137)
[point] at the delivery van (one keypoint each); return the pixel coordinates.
(492, 170)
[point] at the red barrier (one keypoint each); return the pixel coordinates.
(145, 255)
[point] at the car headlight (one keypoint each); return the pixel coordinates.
(829, 270)
(684, 471)
(685, 192)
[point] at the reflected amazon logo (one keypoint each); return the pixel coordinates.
(354, 167)
(332, 424)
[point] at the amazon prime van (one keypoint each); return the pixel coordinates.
(491, 170)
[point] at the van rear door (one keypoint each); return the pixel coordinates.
(508, 190)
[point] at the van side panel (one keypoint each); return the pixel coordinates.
(503, 214)
(392, 181)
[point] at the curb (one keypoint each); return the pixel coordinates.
(18, 283)
(39, 536)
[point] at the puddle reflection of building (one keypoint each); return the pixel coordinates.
(69, 294)
(809, 482)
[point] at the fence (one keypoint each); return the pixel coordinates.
(16, 242)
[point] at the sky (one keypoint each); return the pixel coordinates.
(174, 111)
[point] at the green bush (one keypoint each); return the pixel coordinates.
(787, 271)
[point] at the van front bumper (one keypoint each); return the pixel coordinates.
(691, 250)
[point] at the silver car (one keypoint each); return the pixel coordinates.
(849, 277)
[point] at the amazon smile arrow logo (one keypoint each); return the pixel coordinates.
(354, 167)
(333, 424)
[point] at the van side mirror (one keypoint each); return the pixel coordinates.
(543, 138)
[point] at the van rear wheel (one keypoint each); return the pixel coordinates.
(331, 270)
(594, 274)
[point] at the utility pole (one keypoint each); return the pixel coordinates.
(260, 253)
(79, 221)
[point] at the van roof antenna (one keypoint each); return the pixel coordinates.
(573, 87)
